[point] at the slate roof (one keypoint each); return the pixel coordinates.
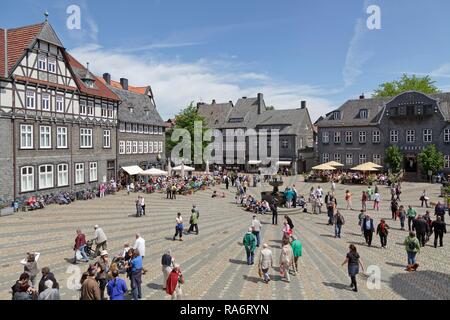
(141, 103)
(215, 114)
(291, 119)
(246, 109)
(350, 110)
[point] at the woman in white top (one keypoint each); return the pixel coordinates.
(179, 227)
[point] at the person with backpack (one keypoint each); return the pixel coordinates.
(249, 242)
(382, 231)
(338, 221)
(412, 246)
(116, 287)
(421, 228)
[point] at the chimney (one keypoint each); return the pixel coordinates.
(260, 102)
(107, 78)
(361, 97)
(303, 104)
(124, 83)
(244, 97)
(214, 101)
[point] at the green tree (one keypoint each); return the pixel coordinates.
(406, 83)
(185, 120)
(394, 158)
(431, 159)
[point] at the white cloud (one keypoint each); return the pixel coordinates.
(442, 72)
(176, 83)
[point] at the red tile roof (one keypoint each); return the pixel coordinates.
(46, 83)
(18, 40)
(101, 89)
(117, 85)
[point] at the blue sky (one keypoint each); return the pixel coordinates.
(320, 51)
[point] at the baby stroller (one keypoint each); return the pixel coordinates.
(88, 249)
(119, 264)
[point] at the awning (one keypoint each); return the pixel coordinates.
(154, 172)
(254, 162)
(132, 170)
(186, 168)
(324, 167)
(284, 163)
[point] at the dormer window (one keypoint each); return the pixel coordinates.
(363, 114)
(336, 115)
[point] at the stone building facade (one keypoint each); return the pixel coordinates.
(361, 130)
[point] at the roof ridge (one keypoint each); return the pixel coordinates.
(24, 27)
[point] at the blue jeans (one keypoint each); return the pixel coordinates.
(250, 256)
(411, 257)
(337, 230)
(83, 253)
(256, 233)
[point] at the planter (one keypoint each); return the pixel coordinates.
(7, 211)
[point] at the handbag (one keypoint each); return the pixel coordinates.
(78, 255)
(260, 273)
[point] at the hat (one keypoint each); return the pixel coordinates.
(104, 253)
(96, 226)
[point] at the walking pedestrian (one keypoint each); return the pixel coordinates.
(80, 245)
(295, 196)
(376, 201)
(424, 198)
(402, 217)
(100, 240)
(136, 275)
(174, 192)
(353, 261)
(89, 288)
(348, 199)
(439, 228)
(174, 282)
(398, 191)
(194, 220)
(139, 244)
(169, 192)
(142, 202)
(439, 211)
(369, 193)
(30, 266)
(167, 264)
(338, 221)
(368, 229)
(297, 251)
(265, 262)
(249, 242)
(382, 231)
(412, 246)
(116, 287)
(179, 227)
(394, 209)
(286, 260)
(102, 265)
(331, 202)
(364, 199)
(256, 229)
(421, 228)
(411, 215)
(274, 209)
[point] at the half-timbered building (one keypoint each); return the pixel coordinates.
(57, 120)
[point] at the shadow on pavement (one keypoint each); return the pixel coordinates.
(396, 265)
(155, 286)
(422, 285)
(237, 261)
(252, 279)
(335, 285)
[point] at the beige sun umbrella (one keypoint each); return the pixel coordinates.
(365, 167)
(334, 164)
(324, 167)
(374, 165)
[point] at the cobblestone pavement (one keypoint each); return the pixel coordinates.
(214, 261)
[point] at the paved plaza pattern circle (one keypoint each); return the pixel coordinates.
(213, 262)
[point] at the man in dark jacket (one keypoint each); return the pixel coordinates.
(439, 211)
(421, 228)
(274, 209)
(47, 275)
(368, 229)
(331, 203)
(439, 229)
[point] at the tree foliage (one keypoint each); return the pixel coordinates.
(406, 83)
(431, 159)
(394, 158)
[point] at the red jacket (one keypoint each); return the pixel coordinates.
(80, 240)
(172, 282)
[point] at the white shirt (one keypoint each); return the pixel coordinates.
(140, 245)
(256, 225)
(179, 220)
(100, 235)
(142, 201)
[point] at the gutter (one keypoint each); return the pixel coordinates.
(6, 53)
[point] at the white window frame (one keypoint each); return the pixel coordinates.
(362, 137)
(363, 114)
(128, 127)
(145, 147)
(140, 128)
(447, 161)
(155, 147)
(134, 127)
(135, 147)
(52, 65)
(46, 179)
(107, 139)
(79, 173)
(63, 175)
(141, 147)
(410, 136)
(121, 147)
(129, 149)
(61, 136)
(325, 157)
(376, 136)
(376, 159)
(427, 135)
(393, 136)
(348, 137)
(30, 99)
(104, 112)
(150, 147)
(349, 159)
(83, 107)
(337, 157)
(93, 171)
(325, 137)
(337, 137)
(90, 108)
(362, 158)
(150, 130)
(26, 136)
(447, 135)
(59, 104)
(110, 112)
(42, 63)
(45, 135)
(161, 147)
(45, 102)
(160, 130)
(27, 179)
(145, 129)
(86, 138)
